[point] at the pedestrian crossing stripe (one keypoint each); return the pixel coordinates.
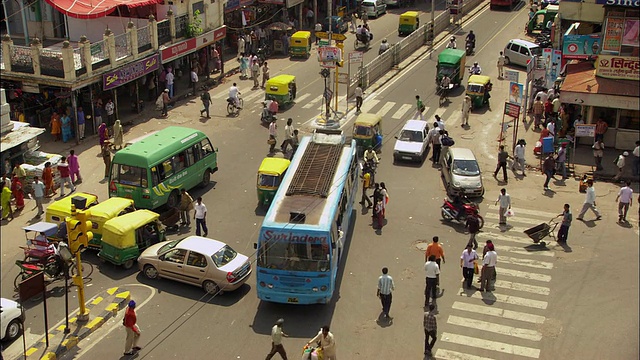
(301, 98)
(311, 103)
(509, 229)
(443, 354)
(521, 251)
(516, 219)
(509, 299)
(497, 312)
(534, 289)
(517, 211)
(252, 96)
(520, 333)
(385, 108)
(490, 345)
(369, 105)
(483, 236)
(401, 111)
(522, 274)
(526, 262)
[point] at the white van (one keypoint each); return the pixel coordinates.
(374, 8)
(520, 51)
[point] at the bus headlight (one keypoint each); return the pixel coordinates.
(314, 289)
(323, 288)
(262, 284)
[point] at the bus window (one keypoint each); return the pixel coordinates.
(179, 162)
(191, 159)
(155, 176)
(131, 175)
(196, 152)
(166, 169)
(206, 147)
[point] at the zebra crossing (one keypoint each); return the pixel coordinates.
(504, 323)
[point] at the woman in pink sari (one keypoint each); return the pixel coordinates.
(103, 133)
(18, 194)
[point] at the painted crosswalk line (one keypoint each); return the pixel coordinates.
(534, 289)
(522, 251)
(497, 312)
(509, 229)
(490, 345)
(256, 96)
(536, 264)
(312, 103)
(542, 214)
(300, 99)
(498, 237)
(385, 108)
(509, 299)
(516, 219)
(522, 274)
(368, 105)
(401, 111)
(443, 354)
(516, 332)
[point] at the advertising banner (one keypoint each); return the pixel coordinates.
(130, 72)
(178, 49)
(512, 110)
(515, 93)
(613, 35)
(618, 67)
(631, 32)
(581, 46)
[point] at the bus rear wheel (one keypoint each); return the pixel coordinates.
(206, 178)
(173, 200)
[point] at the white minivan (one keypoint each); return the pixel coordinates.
(520, 51)
(374, 8)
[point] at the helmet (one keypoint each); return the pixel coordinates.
(384, 40)
(453, 38)
(475, 63)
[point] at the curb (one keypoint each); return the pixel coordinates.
(102, 309)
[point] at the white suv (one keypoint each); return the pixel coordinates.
(11, 319)
(411, 143)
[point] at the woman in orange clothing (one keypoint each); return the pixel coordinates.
(47, 178)
(56, 126)
(18, 194)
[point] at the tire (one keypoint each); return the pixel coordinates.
(480, 222)
(87, 269)
(206, 178)
(173, 200)
(150, 272)
(506, 60)
(241, 101)
(17, 281)
(230, 108)
(14, 329)
(128, 264)
(210, 287)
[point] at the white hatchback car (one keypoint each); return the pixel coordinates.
(11, 319)
(374, 8)
(196, 260)
(411, 143)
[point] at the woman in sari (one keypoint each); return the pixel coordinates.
(118, 135)
(56, 126)
(18, 194)
(67, 134)
(6, 201)
(103, 133)
(47, 179)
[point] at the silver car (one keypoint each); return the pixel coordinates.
(197, 260)
(462, 173)
(12, 318)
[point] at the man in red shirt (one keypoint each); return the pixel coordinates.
(65, 176)
(133, 332)
(601, 128)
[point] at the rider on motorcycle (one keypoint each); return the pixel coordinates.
(471, 38)
(452, 43)
(384, 46)
(445, 83)
(458, 205)
(371, 156)
(233, 95)
(475, 69)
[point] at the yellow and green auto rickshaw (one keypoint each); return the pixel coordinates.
(125, 237)
(270, 175)
(478, 89)
(104, 212)
(300, 44)
(367, 131)
(282, 89)
(451, 62)
(408, 23)
(58, 211)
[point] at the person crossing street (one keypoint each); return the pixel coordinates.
(385, 288)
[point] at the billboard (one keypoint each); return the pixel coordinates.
(618, 67)
(581, 46)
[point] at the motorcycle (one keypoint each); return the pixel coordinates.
(469, 47)
(263, 53)
(449, 211)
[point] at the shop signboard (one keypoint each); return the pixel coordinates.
(30, 87)
(631, 30)
(618, 67)
(512, 110)
(585, 130)
(275, 2)
(130, 72)
(356, 57)
(625, 3)
(580, 46)
(232, 5)
(613, 35)
(329, 53)
(178, 49)
(211, 37)
(511, 75)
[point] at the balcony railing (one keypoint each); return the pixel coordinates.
(21, 60)
(51, 63)
(144, 39)
(123, 45)
(181, 26)
(79, 61)
(99, 55)
(164, 32)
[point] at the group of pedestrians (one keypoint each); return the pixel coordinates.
(290, 137)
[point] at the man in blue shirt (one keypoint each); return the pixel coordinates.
(81, 122)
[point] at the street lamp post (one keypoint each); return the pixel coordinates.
(325, 73)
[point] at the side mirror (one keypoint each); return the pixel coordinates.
(255, 246)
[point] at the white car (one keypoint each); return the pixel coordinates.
(11, 319)
(411, 143)
(374, 8)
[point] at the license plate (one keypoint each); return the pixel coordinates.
(407, 157)
(292, 300)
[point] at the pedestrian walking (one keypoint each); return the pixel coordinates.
(589, 202)
(436, 250)
(385, 288)
(502, 164)
(81, 123)
(621, 161)
(273, 135)
(420, 108)
(288, 135)
(466, 109)
(106, 158)
(430, 325)
(636, 159)
(193, 77)
(186, 205)
(255, 73)
(241, 46)
(434, 140)
(504, 200)
(432, 271)
(206, 102)
(440, 122)
(366, 183)
(359, 98)
(38, 194)
(624, 200)
(468, 264)
(601, 128)
(488, 268)
(538, 112)
(548, 169)
(378, 213)
(561, 160)
(567, 217)
(65, 177)
(170, 79)
(598, 153)
(265, 73)
(294, 143)
(385, 198)
(7, 211)
(130, 323)
(47, 178)
(327, 343)
(56, 126)
(110, 107)
(17, 190)
(118, 135)
(501, 61)
(276, 340)
(166, 99)
(74, 167)
(518, 157)
(200, 216)
(473, 225)
(103, 133)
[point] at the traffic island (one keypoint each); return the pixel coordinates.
(101, 308)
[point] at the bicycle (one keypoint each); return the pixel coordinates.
(232, 109)
(51, 271)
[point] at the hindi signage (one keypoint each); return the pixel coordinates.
(179, 49)
(613, 35)
(585, 130)
(211, 37)
(512, 110)
(356, 57)
(618, 67)
(130, 72)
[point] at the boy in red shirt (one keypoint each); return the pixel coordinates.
(133, 331)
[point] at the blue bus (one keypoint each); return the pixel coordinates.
(303, 233)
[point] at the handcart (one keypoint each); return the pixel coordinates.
(312, 352)
(539, 232)
(170, 219)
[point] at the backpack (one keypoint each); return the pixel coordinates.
(447, 141)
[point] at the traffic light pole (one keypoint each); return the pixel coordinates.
(79, 235)
(83, 314)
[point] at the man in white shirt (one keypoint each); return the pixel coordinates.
(200, 216)
(273, 134)
(327, 343)
(488, 268)
(385, 288)
(276, 340)
(440, 122)
(110, 108)
(170, 78)
(359, 96)
(432, 271)
(467, 263)
(233, 94)
(621, 162)
(589, 202)
(624, 199)
(194, 80)
(543, 96)
(288, 135)
(505, 204)
(518, 157)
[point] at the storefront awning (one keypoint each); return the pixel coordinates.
(92, 9)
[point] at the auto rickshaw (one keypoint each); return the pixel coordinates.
(367, 131)
(270, 175)
(104, 212)
(58, 211)
(408, 23)
(300, 44)
(478, 89)
(125, 237)
(451, 62)
(282, 89)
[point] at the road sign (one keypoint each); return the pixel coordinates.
(511, 75)
(356, 56)
(585, 130)
(334, 36)
(343, 78)
(329, 54)
(323, 43)
(328, 94)
(512, 110)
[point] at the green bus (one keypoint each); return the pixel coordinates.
(153, 170)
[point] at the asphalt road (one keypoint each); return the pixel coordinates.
(555, 303)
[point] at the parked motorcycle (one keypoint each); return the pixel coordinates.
(449, 211)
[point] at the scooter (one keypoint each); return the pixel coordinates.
(449, 211)
(263, 53)
(469, 47)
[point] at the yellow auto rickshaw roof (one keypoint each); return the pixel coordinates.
(479, 79)
(273, 166)
(120, 226)
(281, 80)
(409, 14)
(368, 119)
(63, 206)
(110, 208)
(301, 34)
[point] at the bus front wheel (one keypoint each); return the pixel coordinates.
(206, 178)
(174, 199)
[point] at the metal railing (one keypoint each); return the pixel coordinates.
(78, 62)
(181, 26)
(164, 32)
(51, 63)
(1, 57)
(144, 38)
(123, 45)
(99, 54)
(21, 60)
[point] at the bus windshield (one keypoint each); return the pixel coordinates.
(129, 175)
(295, 256)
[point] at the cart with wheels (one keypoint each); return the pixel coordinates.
(539, 232)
